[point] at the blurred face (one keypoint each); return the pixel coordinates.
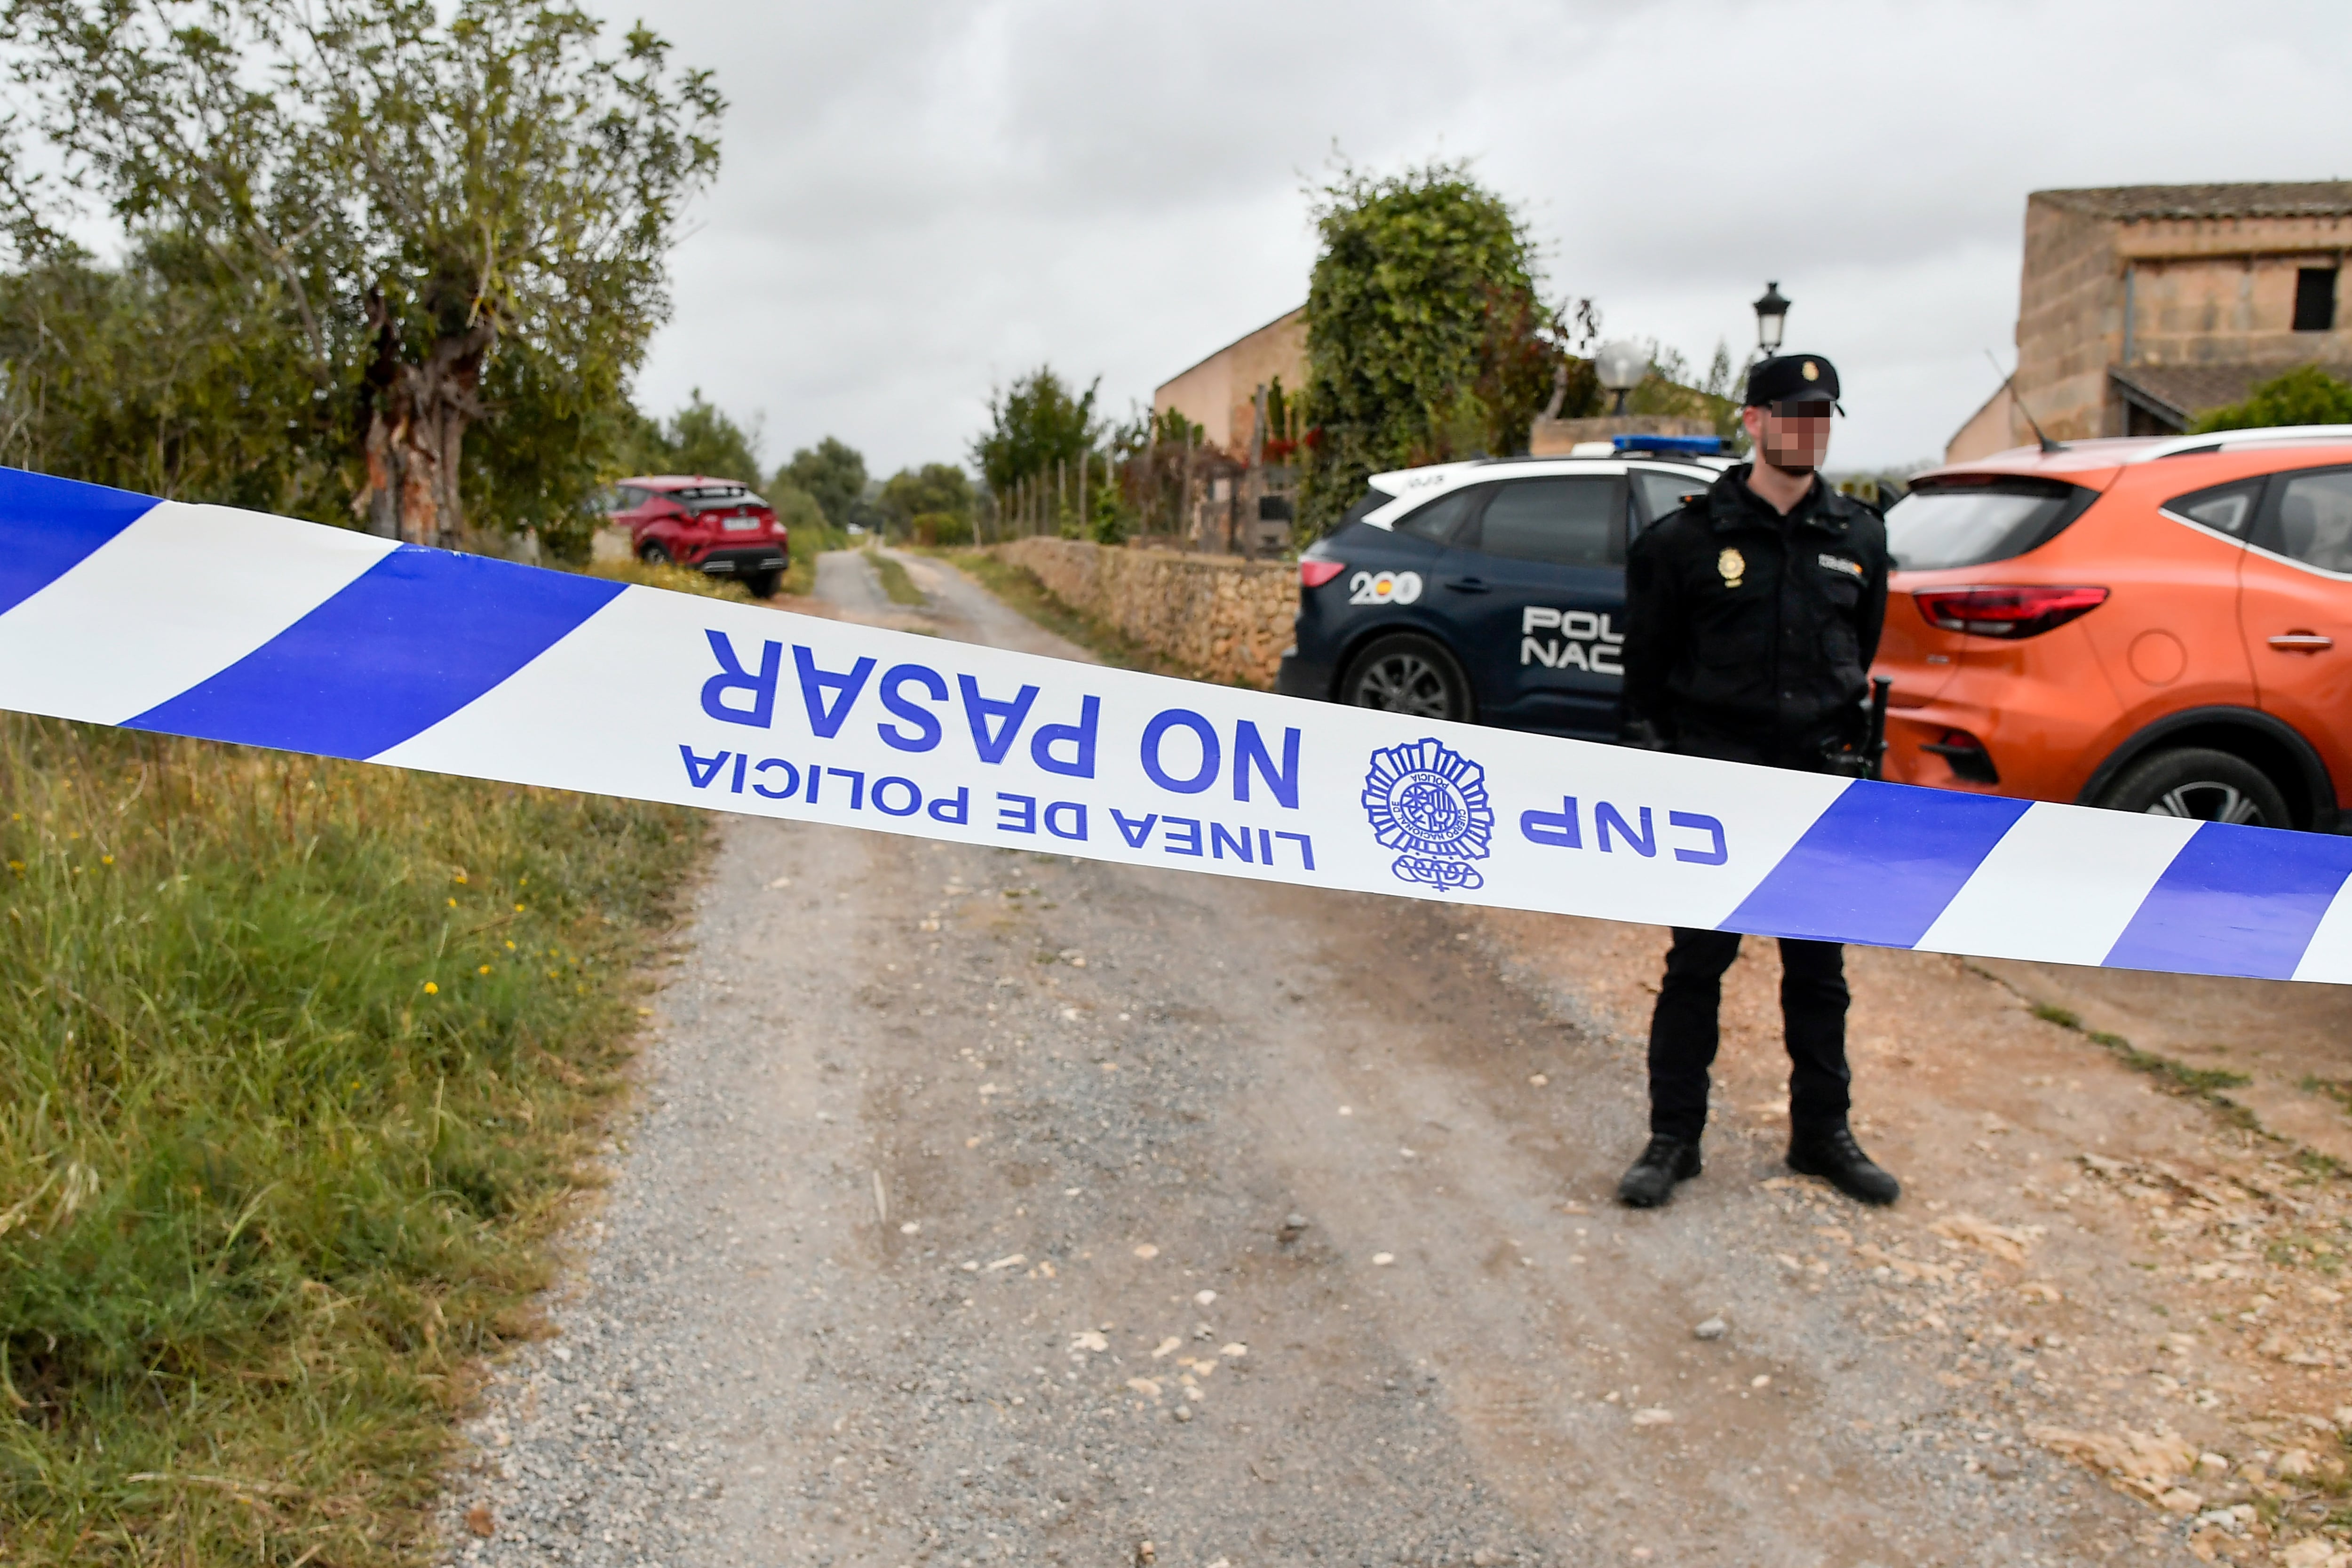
(1792, 436)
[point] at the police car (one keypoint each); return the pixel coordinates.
(1491, 591)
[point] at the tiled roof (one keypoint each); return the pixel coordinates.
(2325, 198)
(2188, 390)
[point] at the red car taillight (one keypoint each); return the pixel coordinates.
(2007, 612)
(1313, 574)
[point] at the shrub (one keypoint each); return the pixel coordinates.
(941, 528)
(671, 575)
(1424, 339)
(2304, 395)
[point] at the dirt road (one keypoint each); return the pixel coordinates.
(990, 1207)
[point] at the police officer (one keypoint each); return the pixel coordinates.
(1752, 616)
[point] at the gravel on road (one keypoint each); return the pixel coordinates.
(990, 1207)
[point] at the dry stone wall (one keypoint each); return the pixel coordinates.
(1216, 617)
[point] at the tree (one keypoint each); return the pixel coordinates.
(1034, 425)
(797, 510)
(546, 449)
(699, 439)
(411, 193)
(936, 491)
(1670, 389)
(2304, 395)
(165, 375)
(833, 473)
(1424, 339)
(1170, 429)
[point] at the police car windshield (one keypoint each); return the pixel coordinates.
(1969, 520)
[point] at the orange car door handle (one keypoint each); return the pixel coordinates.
(2302, 642)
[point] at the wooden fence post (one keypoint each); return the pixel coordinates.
(1184, 490)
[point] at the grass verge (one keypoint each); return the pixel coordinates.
(2177, 1077)
(299, 1062)
(896, 586)
(670, 575)
(2335, 1088)
(1018, 588)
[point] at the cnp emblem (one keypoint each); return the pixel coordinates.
(1430, 801)
(1733, 565)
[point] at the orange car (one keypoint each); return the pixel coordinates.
(2154, 625)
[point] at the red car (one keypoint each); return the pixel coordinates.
(717, 526)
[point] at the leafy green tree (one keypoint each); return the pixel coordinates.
(411, 192)
(1670, 389)
(833, 474)
(1425, 338)
(542, 456)
(798, 512)
(166, 374)
(1170, 428)
(1035, 424)
(698, 439)
(935, 491)
(2304, 395)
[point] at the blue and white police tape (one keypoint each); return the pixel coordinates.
(229, 625)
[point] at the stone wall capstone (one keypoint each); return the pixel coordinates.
(1215, 617)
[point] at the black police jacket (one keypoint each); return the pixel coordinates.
(1748, 634)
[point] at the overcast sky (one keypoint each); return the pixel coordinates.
(923, 199)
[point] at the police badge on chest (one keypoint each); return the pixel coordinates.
(1733, 565)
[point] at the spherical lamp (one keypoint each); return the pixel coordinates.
(1622, 365)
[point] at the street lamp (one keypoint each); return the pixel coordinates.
(1771, 316)
(1621, 366)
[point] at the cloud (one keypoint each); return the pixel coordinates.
(922, 200)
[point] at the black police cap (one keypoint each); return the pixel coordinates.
(1793, 378)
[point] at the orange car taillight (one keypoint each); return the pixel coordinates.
(1314, 574)
(2007, 612)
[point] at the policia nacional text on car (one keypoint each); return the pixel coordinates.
(1752, 616)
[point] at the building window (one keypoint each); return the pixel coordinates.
(2315, 298)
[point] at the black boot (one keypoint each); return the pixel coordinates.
(1832, 1153)
(1652, 1180)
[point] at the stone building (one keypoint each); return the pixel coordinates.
(1239, 495)
(2141, 307)
(1219, 393)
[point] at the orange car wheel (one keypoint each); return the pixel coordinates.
(2198, 782)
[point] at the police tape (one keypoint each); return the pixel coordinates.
(230, 626)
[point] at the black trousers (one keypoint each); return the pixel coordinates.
(1683, 1031)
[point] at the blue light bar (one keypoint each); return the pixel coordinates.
(1697, 446)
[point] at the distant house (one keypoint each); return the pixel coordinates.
(1991, 429)
(1219, 392)
(2141, 307)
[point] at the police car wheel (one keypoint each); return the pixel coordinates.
(2201, 784)
(1407, 674)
